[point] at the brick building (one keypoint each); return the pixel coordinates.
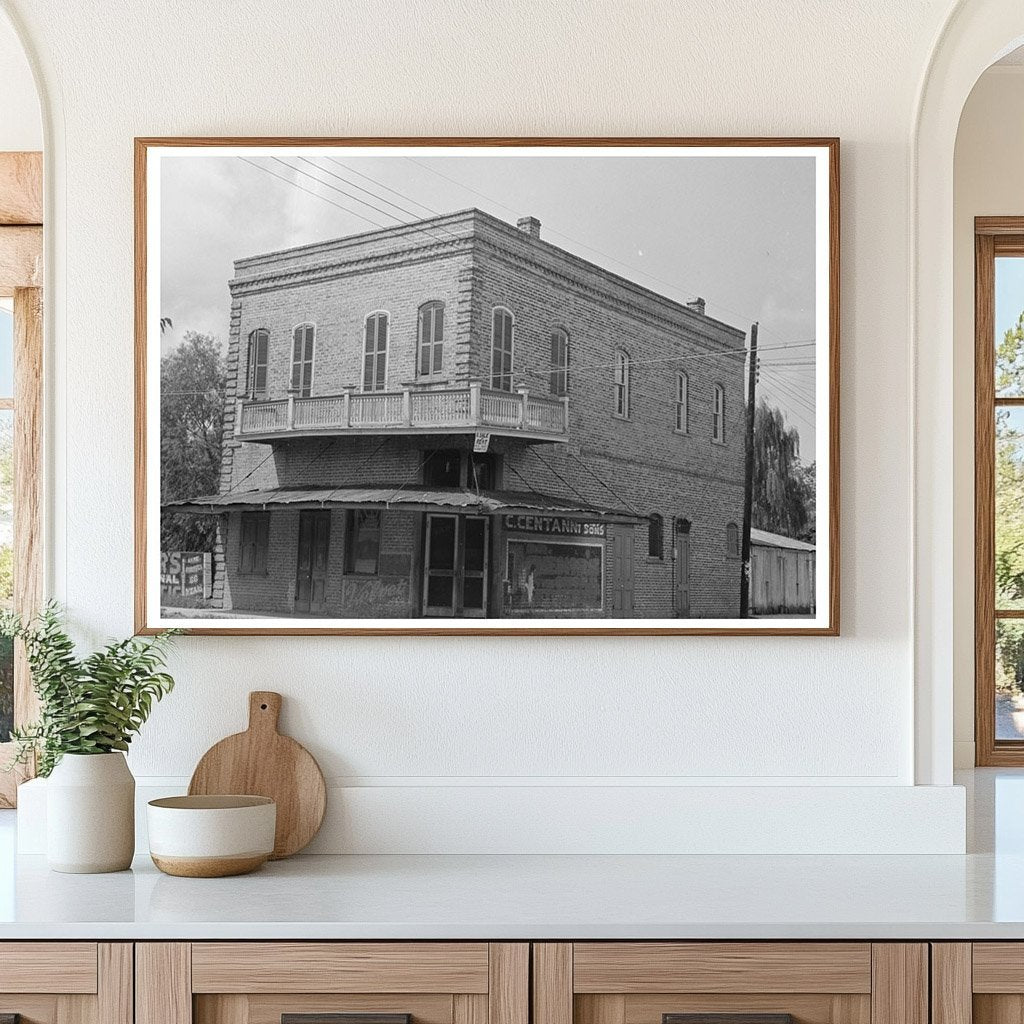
(457, 418)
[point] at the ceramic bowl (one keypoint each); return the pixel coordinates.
(211, 836)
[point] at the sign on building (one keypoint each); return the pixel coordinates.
(187, 573)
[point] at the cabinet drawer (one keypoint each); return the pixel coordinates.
(730, 983)
(340, 967)
(634, 967)
(65, 967)
(332, 983)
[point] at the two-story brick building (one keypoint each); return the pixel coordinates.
(457, 418)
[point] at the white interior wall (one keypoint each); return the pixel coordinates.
(435, 716)
(987, 181)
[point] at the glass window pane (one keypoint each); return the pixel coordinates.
(6, 353)
(442, 542)
(1009, 326)
(1009, 512)
(439, 591)
(476, 532)
(1009, 679)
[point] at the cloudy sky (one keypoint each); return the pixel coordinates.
(738, 231)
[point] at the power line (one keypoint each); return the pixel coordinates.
(569, 238)
(302, 188)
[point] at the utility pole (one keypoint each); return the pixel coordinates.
(748, 477)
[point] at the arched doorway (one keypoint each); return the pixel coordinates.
(976, 34)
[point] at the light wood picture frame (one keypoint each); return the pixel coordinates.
(377, 393)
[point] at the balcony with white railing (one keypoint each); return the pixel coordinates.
(466, 409)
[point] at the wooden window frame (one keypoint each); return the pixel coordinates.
(378, 354)
(718, 414)
(430, 339)
(502, 350)
(623, 384)
(259, 542)
(300, 360)
(254, 364)
(21, 279)
(558, 384)
(682, 402)
(993, 237)
(352, 517)
(732, 540)
(656, 537)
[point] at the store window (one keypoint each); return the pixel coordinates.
(255, 543)
(362, 545)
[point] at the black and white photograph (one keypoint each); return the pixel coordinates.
(468, 386)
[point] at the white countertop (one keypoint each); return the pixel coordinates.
(497, 897)
(977, 896)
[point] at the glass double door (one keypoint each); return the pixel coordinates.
(456, 566)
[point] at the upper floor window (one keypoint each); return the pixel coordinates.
(682, 403)
(559, 362)
(303, 341)
(622, 382)
(256, 364)
(501, 349)
(655, 536)
(431, 338)
(375, 352)
(732, 540)
(718, 414)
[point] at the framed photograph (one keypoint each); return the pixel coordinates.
(500, 386)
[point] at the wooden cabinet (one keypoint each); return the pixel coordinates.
(308, 982)
(66, 982)
(978, 983)
(754, 982)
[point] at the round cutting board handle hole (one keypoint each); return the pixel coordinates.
(263, 707)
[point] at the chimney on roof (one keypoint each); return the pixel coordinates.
(529, 226)
(697, 305)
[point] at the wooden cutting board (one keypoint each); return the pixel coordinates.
(262, 762)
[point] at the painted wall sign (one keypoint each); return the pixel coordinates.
(188, 573)
(554, 525)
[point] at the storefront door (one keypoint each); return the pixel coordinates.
(455, 566)
(311, 575)
(621, 545)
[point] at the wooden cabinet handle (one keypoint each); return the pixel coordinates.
(727, 1018)
(337, 1018)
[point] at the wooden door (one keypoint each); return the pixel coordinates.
(683, 569)
(730, 983)
(314, 549)
(332, 983)
(621, 570)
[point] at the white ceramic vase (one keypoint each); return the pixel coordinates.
(90, 814)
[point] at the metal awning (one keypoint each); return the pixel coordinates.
(409, 497)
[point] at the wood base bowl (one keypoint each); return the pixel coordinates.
(211, 836)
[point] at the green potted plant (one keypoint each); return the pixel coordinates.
(90, 708)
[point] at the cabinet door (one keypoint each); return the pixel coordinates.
(66, 982)
(730, 983)
(980, 982)
(332, 983)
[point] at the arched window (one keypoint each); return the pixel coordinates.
(732, 540)
(559, 362)
(303, 344)
(256, 365)
(622, 373)
(431, 338)
(718, 414)
(375, 352)
(655, 536)
(682, 403)
(501, 349)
